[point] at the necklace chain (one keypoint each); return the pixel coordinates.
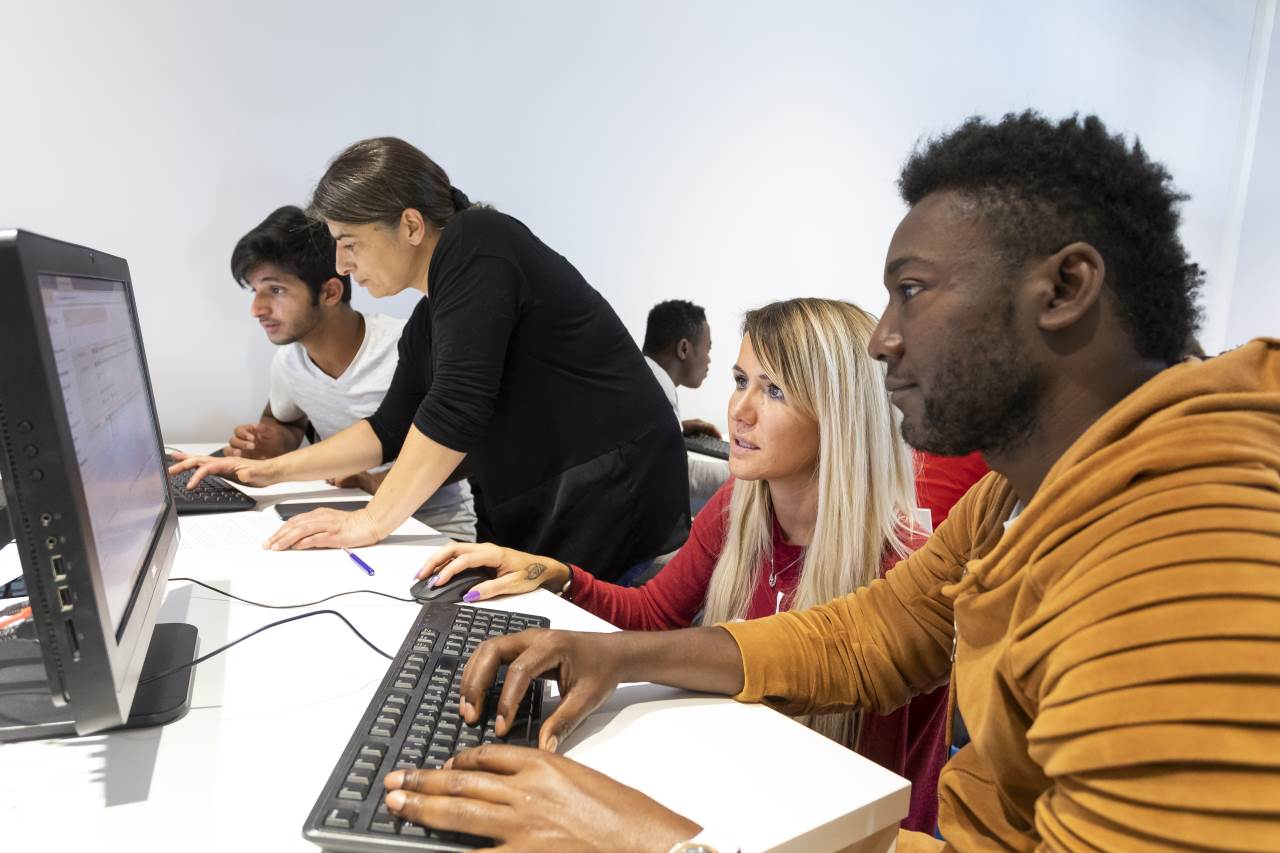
(774, 571)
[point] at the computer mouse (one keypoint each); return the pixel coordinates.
(452, 590)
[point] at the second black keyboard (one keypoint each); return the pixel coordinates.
(707, 446)
(412, 722)
(212, 494)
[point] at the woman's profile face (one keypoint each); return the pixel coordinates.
(377, 257)
(768, 438)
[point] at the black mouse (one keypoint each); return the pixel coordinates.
(452, 590)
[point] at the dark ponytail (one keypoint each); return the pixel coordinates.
(376, 180)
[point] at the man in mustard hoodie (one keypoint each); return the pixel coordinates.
(1110, 594)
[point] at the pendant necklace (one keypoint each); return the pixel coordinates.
(774, 571)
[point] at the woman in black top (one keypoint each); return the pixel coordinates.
(514, 362)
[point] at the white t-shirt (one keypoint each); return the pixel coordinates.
(706, 474)
(664, 380)
(300, 388)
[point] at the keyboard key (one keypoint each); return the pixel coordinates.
(353, 792)
(385, 824)
(360, 778)
(340, 819)
(412, 830)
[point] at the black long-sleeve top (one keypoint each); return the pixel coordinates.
(515, 360)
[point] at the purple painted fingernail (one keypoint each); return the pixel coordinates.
(471, 596)
(435, 579)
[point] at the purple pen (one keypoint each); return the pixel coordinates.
(368, 569)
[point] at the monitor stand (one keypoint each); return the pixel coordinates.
(27, 711)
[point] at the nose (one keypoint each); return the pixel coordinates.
(258, 307)
(343, 266)
(886, 341)
(742, 408)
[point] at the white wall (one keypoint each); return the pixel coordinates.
(1254, 300)
(731, 152)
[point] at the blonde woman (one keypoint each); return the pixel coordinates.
(819, 505)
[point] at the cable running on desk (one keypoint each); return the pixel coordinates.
(220, 650)
(292, 606)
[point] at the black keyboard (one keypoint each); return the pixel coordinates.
(413, 721)
(707, 446)
(212, 494)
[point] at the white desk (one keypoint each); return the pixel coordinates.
(270, 716)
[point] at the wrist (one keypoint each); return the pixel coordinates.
(271, 471)
(558, 578)
(372, 521)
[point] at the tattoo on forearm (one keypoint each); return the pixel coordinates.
(534, 571)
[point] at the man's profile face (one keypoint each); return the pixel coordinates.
(282, 304)
(699, 360)
(959, 367)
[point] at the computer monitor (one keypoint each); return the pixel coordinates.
(83, 473)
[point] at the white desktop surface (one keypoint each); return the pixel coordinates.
(269, 718)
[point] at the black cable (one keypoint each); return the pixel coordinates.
(222, 649)
(291, 606)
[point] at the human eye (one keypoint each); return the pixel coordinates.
(909, 289)
(277, 291)
(774, 391)
(739, 381)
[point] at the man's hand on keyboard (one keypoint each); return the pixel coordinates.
(580, 663)
(250, 472)
(527, 799)
(589, 667)
(696, 426)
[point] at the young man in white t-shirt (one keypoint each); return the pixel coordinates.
(333, 365)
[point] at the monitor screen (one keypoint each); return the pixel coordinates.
(112, 426)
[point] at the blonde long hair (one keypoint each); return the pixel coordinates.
(815, 350)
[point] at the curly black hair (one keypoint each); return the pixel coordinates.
(1041, 186)
(669, 322)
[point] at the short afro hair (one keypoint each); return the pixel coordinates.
(298, 245)
(1041, 186)
(669, 322)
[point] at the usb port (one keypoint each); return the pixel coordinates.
(59, 568)
(73, 641)
(64, 598)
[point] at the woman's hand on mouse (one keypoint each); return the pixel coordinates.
(517, 571)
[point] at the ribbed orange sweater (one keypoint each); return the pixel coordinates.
(1117, 648)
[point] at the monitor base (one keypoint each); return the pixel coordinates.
(27, 712)
(169, 699)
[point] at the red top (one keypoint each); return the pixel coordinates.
(943, 480)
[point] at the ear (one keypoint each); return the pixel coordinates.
(1074, 276)
(331, 291)
(683, 348)
(412, 226)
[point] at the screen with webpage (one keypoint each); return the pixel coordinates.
(112, 425)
